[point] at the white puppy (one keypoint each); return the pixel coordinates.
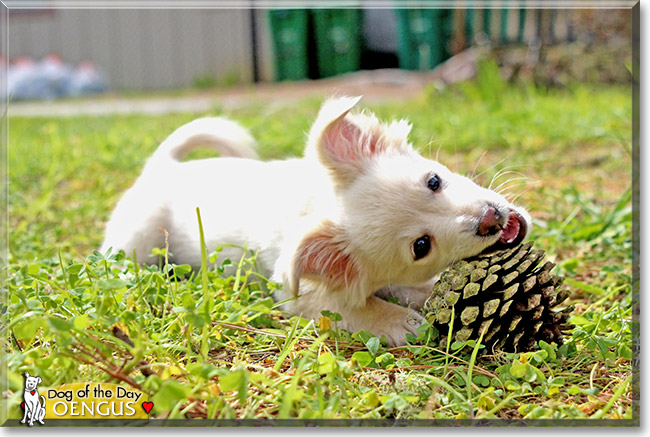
(362, 215)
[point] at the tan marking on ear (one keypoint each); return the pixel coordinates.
(321, 255)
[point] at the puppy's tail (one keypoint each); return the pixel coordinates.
(224, 136)
(43, 399)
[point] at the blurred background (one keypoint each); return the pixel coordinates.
(55, 53)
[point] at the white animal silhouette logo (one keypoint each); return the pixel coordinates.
(34, 410)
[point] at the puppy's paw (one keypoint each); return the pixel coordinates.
(394, 322)
(407, 324)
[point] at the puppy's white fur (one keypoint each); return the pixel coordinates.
(336, 227)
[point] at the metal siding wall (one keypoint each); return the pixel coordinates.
(127, 36)
(162, 59)
(141, 49)
(68, 34)
(240, 53)
(191, 40)
(100, 44)
(34, 35)
(19, 40)
(265, 54)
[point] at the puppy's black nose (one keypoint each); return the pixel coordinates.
(491, 222)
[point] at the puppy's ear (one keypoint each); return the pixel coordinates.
(339, 140)
(322, 255)
(38, 380)
(27, 375)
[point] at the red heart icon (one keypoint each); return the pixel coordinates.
(32, 392)
(147, 406)
(22, 405)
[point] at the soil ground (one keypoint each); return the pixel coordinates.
(373, 85)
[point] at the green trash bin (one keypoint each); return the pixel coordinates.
(424, 36)
(338, 40)
(289, 35)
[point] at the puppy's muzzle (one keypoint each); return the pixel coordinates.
(491, 222)
(509, 224)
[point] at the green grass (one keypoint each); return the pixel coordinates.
(217, 346)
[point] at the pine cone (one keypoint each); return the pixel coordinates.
(508, 294)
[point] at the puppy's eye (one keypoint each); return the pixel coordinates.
(434, 183)
(421, 247)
